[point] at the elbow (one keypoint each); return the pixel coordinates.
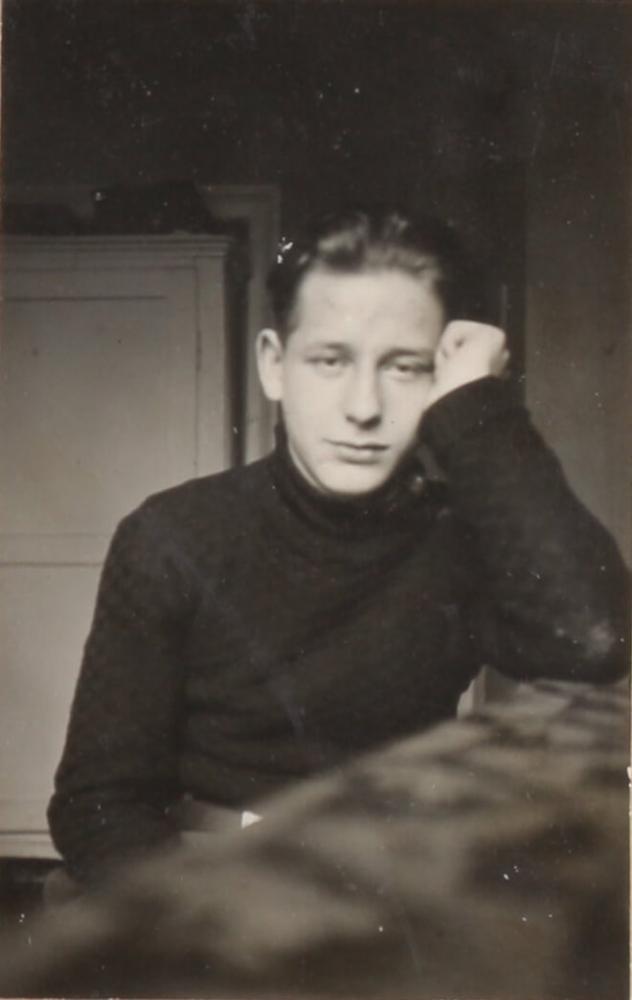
(601, 654)
(59, 821)
(594, 653)
(52, 815)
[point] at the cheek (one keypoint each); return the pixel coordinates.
(304, 400)
(303, 385)
(406, 408)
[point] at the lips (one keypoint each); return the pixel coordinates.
(364, 453)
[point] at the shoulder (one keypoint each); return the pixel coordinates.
(178, 537)
(203, 508)
(209, 493)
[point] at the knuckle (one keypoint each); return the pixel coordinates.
(497, 337)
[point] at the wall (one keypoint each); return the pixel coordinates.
(451, 107)
(578, 316)
(331, 102)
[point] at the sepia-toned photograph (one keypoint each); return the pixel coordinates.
(315, 534)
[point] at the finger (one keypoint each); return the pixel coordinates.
(460, 332)
(454, 336)
(451, 340)
(503, 365)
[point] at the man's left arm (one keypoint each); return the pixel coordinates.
(551, 578)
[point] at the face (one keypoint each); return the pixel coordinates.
(354, 375)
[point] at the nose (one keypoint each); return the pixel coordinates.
(362, 401)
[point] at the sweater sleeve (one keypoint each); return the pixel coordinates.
(552, 589)
(119, 768)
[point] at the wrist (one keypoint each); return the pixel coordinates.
(466, 409)
(451, 383)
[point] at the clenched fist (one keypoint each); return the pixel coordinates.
(467, 351)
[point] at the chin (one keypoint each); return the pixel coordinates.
(353, 481)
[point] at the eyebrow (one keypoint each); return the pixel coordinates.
(425, 354)
(332, 345)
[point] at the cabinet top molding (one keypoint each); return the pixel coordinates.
(207, 244)
(32, 253)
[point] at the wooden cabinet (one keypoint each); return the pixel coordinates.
(115, 383)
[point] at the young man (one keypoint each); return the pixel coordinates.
(259, 626)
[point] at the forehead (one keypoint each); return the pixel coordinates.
(386, 302)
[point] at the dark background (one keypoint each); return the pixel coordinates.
(512, 119)
(439, 106)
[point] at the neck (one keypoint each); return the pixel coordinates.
(358, 512)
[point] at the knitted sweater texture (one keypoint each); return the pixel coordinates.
(250, 632)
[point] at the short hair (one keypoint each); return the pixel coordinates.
(359, 240)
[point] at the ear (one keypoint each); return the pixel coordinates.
(269, 348)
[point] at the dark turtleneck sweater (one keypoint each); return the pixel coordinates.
(250, 631)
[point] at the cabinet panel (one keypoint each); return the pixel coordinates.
(44, 615)
(114, 385)
(99, 401)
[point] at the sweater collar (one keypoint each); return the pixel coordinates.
(388, 507)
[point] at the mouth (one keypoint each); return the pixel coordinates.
(365, 453)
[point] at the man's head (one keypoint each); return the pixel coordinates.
(359, 308)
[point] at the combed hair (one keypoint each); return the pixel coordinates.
(360, 240)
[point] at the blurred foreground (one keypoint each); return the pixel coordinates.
(487, 858)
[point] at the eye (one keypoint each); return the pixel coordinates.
(407, 369)
(327, 364)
